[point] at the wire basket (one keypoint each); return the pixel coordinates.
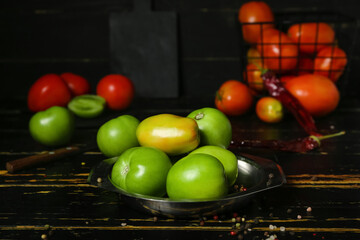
(288, 64)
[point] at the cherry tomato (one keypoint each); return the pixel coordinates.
(318, 94)
(253, 56)
(312, 36)
(233, 98)
(117, 90)
(269, 109)
(49, 90)
(253, 77)
(330, 62)
(278, 50)
(77, 84)
(254, 12)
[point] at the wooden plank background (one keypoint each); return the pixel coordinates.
(39, 37)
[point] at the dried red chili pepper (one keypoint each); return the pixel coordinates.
(277, 90)
(295, 145)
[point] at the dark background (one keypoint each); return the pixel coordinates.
(42, 36)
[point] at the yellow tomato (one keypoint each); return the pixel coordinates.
(170, 133)
(269, 110)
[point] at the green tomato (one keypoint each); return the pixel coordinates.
(226, 157)
(215, 127)
(197, 177)
(87, 106)
(142, 170)
(117, 135)
(52, 127)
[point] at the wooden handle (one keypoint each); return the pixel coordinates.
(47, 156)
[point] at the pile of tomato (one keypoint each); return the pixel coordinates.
(305, 57)
(183, 158)
(59, 89)
(56, 98)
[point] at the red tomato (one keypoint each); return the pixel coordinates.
(251, 13)
(49, 90)
(318, 94)
(77, 84)
(312, 36)
(117, 90)
(286, 78)
(233, 98)
(305, 65)
(269, 109)
(330, 62)
(253, 77)
(278, 50)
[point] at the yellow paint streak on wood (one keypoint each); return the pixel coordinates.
(324, 181)
(127, 227)
(324, 176)
(46, 185)
(38, 192)
(7, 174)
(312, 230)
(70, 180)
(355, 186)
(36, 153)
(86, 219)
(175, 228)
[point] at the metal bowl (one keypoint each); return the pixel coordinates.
(256, 174)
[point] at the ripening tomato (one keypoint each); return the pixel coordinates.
(172, 134)
(233, 98)
(77, 84)
(253, 56)
(253, 77)
(279, 52)
(117, 90)
(318, 94)
(250, 14)
(269, 109)
(48, 91)
(330, 62)
(312, 36)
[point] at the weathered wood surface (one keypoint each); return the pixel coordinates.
(55, 201)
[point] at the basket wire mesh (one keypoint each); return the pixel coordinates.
(344, 27)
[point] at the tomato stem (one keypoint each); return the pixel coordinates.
(262, 70)
(199, 116)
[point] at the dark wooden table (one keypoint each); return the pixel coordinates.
(320, 200)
